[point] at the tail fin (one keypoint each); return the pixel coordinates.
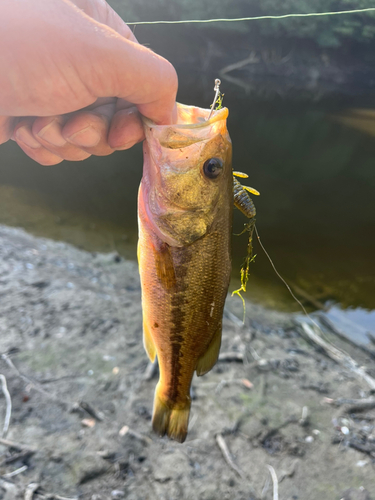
(170, 420)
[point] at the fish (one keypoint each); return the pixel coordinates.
(185, 205)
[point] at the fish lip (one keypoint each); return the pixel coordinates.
(217, 115)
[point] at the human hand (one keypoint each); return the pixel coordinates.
(74, 80)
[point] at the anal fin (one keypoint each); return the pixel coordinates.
(148, 343)
(207, 361)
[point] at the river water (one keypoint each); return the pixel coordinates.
(315, 215)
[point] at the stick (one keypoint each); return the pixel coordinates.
(356, 404)
(275, 482)
(227, 456)
(9, 406)
(16, 472)
(337, 355)
(231, 356)
(30, 490)
(16, 446)
(328, 323)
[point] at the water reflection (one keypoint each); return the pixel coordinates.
(316, 211)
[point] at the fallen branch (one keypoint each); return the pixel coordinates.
(356, 404)
(227, 456)
(231, 356)
(136, 435)
(274, 482)
(16, 472)
(337, 355)
(332, 327)
(16, 446)
(8, 400)
(30, 490)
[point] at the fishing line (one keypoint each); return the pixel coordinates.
(285, 283)
(258, 18)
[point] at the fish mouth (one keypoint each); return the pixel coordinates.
(191, 117)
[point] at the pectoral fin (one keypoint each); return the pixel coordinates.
(209, 358)
(148, 343)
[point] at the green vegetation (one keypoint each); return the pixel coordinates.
(330, 31)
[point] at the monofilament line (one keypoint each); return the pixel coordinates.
(285, 283)
(258, 18)
(282, 279)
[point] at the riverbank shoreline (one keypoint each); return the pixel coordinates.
(72, 356)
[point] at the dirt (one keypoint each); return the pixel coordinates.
(72, 355)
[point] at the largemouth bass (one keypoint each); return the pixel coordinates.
(185, 208)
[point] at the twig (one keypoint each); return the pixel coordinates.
(231, 356)
(275, 482)
(16, 457)
(304, 417)
(252, 59)
(136, 435)
(53, 496)
(8, 400)
(337, 355)
(16, 472)
(30, 490)
(227, 456)
(356, 404)
(16, 446)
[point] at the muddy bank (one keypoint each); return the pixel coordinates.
(72, 355)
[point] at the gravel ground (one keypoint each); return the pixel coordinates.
(72, 356)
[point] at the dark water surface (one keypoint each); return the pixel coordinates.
(316, 212)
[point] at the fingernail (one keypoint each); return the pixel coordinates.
(87, 137)
(51, 133)
(24, 135)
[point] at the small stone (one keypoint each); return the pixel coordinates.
(361, 463)
(88, 422)
(117, 494)
(124, 430)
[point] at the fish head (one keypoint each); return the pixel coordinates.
(187, 175)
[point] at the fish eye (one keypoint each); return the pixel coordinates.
(212, 168)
